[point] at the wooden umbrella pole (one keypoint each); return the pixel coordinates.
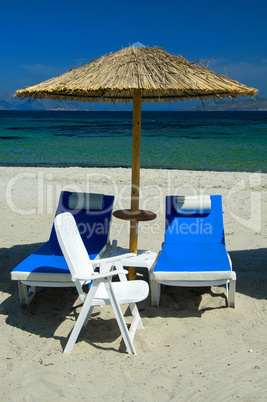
(137, 101)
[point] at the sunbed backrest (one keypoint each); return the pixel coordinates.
(197, 228)
(93, 225)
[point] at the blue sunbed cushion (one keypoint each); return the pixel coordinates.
(193, 258)
(42, 267)
(194, 248)
(206, 228)
(90, 202)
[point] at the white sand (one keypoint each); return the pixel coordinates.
(192, 347)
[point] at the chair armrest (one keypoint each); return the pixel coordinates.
(96, 275)
(111, 259)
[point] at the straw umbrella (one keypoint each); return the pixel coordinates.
(138, 74)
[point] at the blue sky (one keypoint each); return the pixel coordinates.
(41, 39)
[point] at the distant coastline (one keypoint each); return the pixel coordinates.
(256, 104)
(10, 102)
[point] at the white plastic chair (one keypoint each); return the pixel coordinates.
(102, 290)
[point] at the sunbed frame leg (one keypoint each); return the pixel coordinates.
(155, 293)
(231, 294)
(26, 293)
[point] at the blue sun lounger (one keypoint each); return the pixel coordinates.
(193, 253)
(47, 267)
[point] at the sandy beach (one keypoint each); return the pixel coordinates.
(192, 347)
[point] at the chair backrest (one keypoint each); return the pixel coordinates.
(72, 245)
(93, 213)
(203, 226)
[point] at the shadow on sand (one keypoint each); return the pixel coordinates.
(52, 306)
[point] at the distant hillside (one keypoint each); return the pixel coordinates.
(223, 105)
(10, 102)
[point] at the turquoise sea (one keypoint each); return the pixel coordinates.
(222, 141)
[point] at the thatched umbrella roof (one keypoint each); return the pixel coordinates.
(138, 74)
(161, 77)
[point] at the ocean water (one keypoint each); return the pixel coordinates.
(220, 141)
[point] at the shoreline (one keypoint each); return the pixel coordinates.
(185, 110)
(191, 347)
(129, 167)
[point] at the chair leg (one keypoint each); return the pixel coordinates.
(136, 322)
(120, 319)
(88, 315)
(155, 293)
(80, 290)
(82, 317)
(231, 296)
(26, 293)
